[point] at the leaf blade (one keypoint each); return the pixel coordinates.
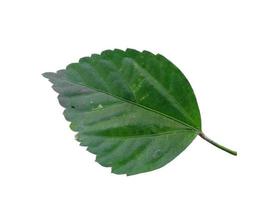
(129, 123)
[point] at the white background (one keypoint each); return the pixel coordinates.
(221, 46)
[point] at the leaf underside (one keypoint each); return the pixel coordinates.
(135, 110)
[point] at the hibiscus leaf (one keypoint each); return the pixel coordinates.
(135, 110)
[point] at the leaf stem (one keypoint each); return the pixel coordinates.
(203, 136)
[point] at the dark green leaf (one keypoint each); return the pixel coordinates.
(135, 110)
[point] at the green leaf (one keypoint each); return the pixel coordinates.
(135, 110)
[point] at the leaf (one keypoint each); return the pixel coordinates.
(135, 110)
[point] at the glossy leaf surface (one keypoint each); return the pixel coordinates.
(135, 110)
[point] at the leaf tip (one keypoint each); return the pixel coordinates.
(47, 74)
